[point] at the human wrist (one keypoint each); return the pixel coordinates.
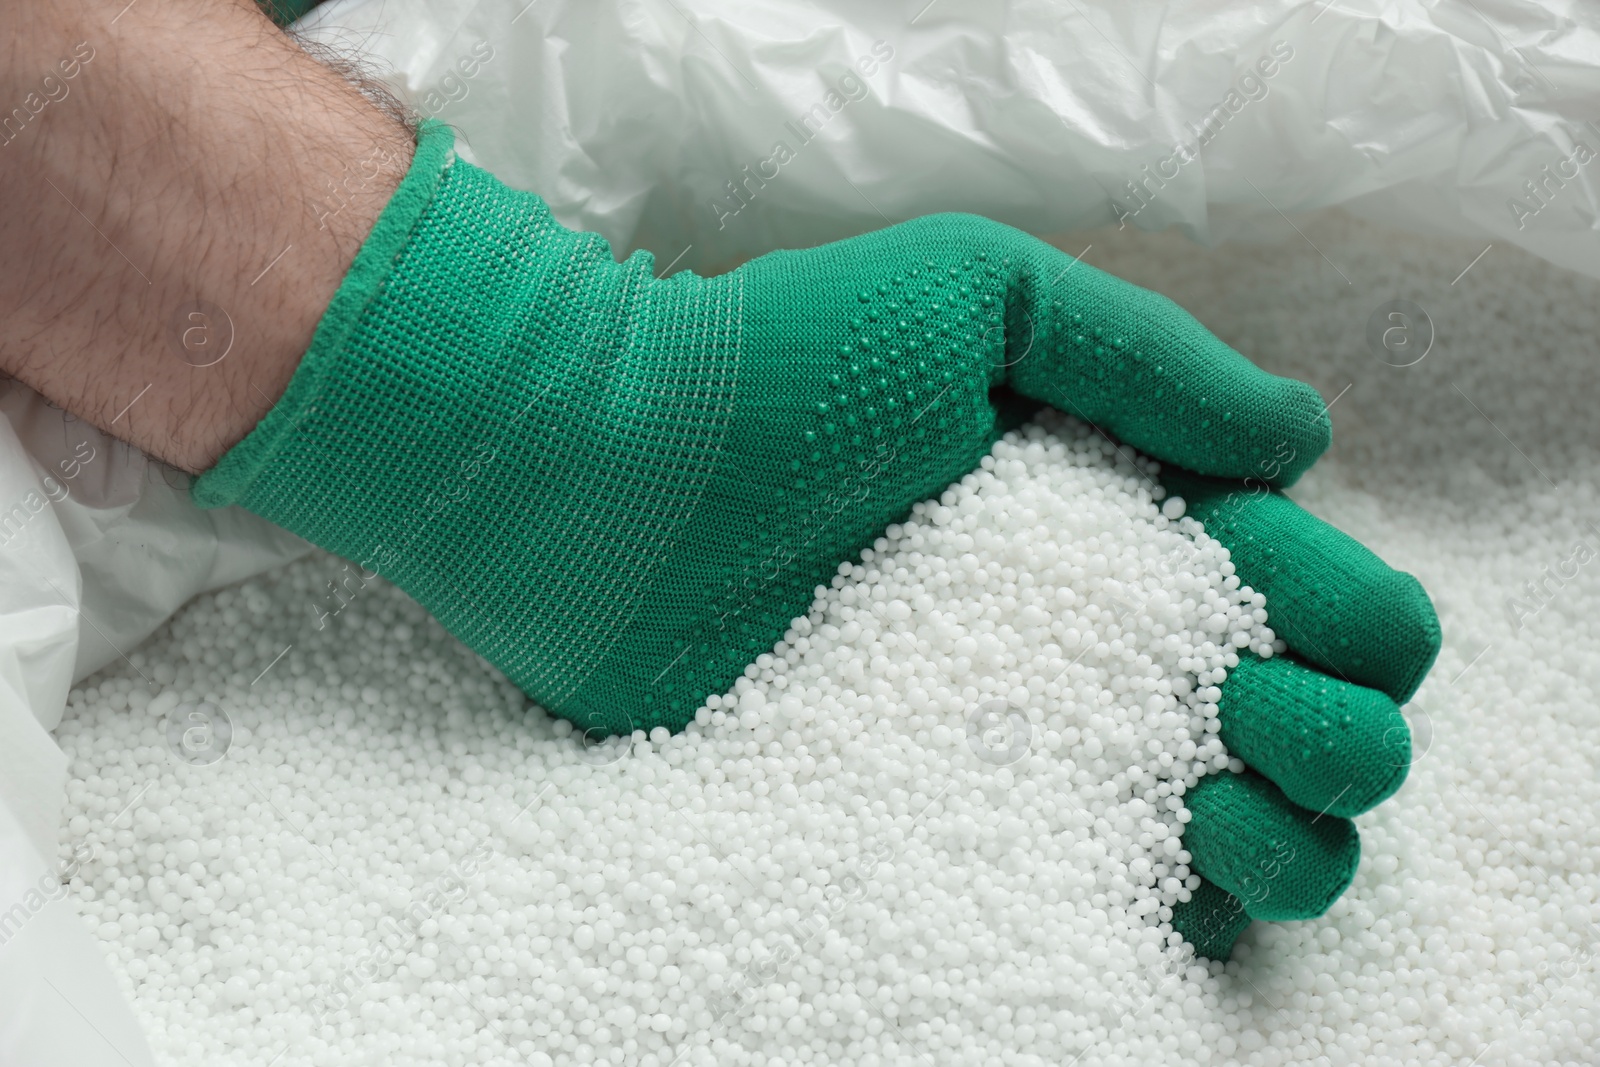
(195, 225)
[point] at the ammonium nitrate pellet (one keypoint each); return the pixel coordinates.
(942, 818)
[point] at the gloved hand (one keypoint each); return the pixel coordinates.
(621, 489)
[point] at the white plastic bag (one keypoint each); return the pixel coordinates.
(92, 535)
(632, 118)
(659, 125)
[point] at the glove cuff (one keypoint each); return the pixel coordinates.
(239, 468)
(514, 428)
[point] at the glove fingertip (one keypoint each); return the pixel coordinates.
(1315, 433)
(1331, 746)
(1211, 920)
(1284, 862)
(1381, 789)
(1418, 620)
(1336, 869)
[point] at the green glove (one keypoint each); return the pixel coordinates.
(285, 12)
(620, 489)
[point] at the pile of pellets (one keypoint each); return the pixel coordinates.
(1471, 935)
(941, 820)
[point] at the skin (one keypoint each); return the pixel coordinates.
(177, 214)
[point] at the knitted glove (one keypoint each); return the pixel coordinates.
(620, 489)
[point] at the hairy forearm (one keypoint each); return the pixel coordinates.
(181, 191)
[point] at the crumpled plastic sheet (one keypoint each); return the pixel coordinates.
(709, 131)
(99, 545)
(658, 123)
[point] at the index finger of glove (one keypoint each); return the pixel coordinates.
(1332, 601)
(1134, 363)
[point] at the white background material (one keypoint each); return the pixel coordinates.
(631, 117)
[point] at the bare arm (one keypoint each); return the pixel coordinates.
(182, 189)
